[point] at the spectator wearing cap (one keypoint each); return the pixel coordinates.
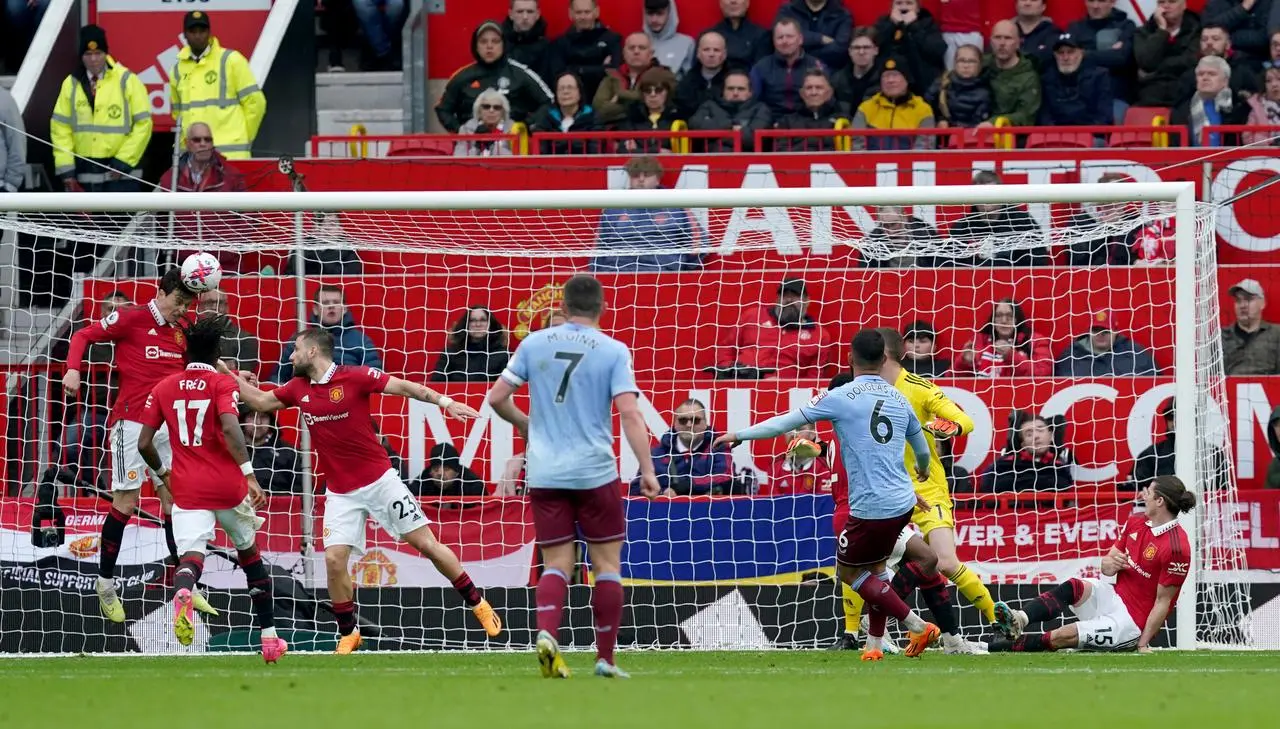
(525, 33)
(655, 111)
(1036, 32)
(621, 85)
(860, 80)
(671, 49)
(1015, 83)
(962, 97)
(821, 112)
(587, 48)
(898, 240)
(1105, 353)
(1213, 104)
(525, 90)
(735, 110)
(705, 81)
(1248, 22)
(101, 122)
(1250, 346)
(1216, 41)
(745, 42)
(826, 26)
(672, 234)
(780, 337)
(233, 107)
(1074, 94)
(921, 354)
(1164, 48)
(909, 32)
(776, 79)
(894, 107)
(1106, 35)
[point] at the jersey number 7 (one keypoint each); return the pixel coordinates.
(574, 359)
(194, 436)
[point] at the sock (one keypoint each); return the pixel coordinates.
(346, 614)
(936, 596)
(112, 535)
(467, 588)
(606, 610)
(970, 585)
(255, 573)
(877, 622)
(879, 595)
(1032, 643)
(168, 538)
(1052, 603)
(906, 580)
(189, 571)
(852, 603)
(553, 588)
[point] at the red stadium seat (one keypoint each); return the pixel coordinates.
(1138, 116)
(421, 147)
(1059, 140)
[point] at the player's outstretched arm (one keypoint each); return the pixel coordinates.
(422, 393)
(499, 399)
(771, 428)
(955, 421)
(234, 438)
(637, 435)
(1159, 613)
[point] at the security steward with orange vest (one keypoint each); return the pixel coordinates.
(214, 85)
(101, 122)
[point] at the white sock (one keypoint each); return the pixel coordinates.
(1022, 618)
(914, 622)
(105, 582)
(875, 643)
(268, 633)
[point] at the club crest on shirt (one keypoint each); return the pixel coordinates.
(1149, 553)
(335, 394)
(179, 339)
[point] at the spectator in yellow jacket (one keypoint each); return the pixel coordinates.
(214, 85)
(101, 122)
(894, 107)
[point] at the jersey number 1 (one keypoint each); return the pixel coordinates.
(194, 436)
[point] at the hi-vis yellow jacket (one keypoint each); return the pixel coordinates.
(111, 128)
(219, 90)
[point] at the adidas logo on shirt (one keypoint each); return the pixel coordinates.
(306, 398)
(152, 332)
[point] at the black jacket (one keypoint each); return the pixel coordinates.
(1116, 250)
(466, 483)
(1020, 471)
(1098, 38)
(824, 117)
(1249, 33)
(694, 88)
(545, 125)
(1008, 221)
(920, 43)
(777, 85)
(744, 45)
(469, 365)
(276, 466)
(530, 47)
(585, 52)
(854, 90)
(1158, 460)
(525, 90)
(1083, 98)
(1162, 61)
(750, 116)
(1038, 44)
(931, 367)
(961, 102)
(877, 250)
(833, 21)
(638, 121)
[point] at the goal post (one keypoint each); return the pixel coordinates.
(435, 249)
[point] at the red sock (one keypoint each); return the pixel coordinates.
(877, 622)
(552, 589)
(878, 594)
(606, 609)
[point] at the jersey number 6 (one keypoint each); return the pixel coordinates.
(881, 426)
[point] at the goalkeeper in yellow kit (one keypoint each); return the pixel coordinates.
(942, 419)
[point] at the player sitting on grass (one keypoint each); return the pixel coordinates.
(874, 423)
(577, 375)
(1149, 561)
(212, 479)
(334, 400)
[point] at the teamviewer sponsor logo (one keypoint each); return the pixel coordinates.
(154, 352)
(313, 419)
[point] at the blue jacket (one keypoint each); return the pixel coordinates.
(1126, 359)
(690, 473)
(777, 85)
(351, 346)
(671, 233)
(1082, 98)
(833, 20)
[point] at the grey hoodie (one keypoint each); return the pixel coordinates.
(13, 143)
(671, 49)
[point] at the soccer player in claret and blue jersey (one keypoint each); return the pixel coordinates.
(212, 479)
(874, 423)
(576, 376)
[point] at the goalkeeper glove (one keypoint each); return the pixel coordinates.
(942, 429)
(804, 448)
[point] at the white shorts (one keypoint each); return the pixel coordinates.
(900, 546)
(1105, 623)
(193, 528)
(387, 500)
(128, 471)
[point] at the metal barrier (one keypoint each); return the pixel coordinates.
(1234, 135)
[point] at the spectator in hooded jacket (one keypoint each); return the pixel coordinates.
(621, 85)
(1074, 94)
(1213, 104)
(587, 48)
(826, 26)
(746, 43)
(921, 351)
(821, 111)
(1104, 352)
(476, 350)
(525, 90)
(734, 110)
(569, 113)
(962, 97)
(1106, 34)
(1247, 20)
(491, 115)
(781, 338)
(1032, 462)
(671, 49)
(1165, 48)
(351, 346)
(276, 464)
(525, 33)
(896, 240)
(654, 112)
(791, 473)
(860, 80)
(1006, 346)
(1036, 32)
(705, 81)
(446, 476)
(1015, 81)
(895, 107)
(996, 221)
(671, 233)
(1216, 41)
(684, 460)
(910, 33)
(777, 78)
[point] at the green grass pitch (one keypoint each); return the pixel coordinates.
(777, 689)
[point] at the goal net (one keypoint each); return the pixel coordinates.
(1064, 320)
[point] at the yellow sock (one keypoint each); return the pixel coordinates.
(974, 591)
(852, 609)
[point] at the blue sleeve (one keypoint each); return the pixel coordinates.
(623, 380)
(517, 370)
(919, 446)
(661, 465)
(757, 82)
(284, 370)
(775, 426)
(1104, 112)
(371, 357)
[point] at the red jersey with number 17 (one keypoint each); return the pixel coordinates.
(1158, 556)
(336, 411)
(205, 476)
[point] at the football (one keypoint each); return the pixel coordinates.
(201, 272)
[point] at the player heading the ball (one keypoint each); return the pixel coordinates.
(334, 400)
(576, 376)
(874, 423)
(212, 479)
(1149, 561)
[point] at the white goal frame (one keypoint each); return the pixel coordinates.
(1181, 194)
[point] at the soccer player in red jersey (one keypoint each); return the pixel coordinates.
(149, 347)
(334, 400)
(211, 480)
(1149, 561)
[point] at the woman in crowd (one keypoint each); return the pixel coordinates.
(1007, 346)
(476, 351)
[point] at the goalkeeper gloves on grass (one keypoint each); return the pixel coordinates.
(942, 429)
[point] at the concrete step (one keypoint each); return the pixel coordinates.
(375, 121)
(343, 91)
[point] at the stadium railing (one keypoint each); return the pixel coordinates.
(1232, 135)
